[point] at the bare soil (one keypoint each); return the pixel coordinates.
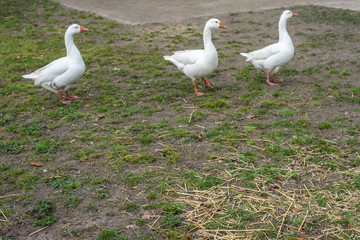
(321, 46)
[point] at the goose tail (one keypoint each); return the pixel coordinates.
(168, 58)
(29, 76)
(178, 64)
(246, 55)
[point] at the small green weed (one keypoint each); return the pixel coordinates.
(43, 212)
(111, 235)
(170, 221)
(216, 105)
(132, 179)
(131, 206)
(325, 125)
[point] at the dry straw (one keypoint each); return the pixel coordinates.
(283, 209)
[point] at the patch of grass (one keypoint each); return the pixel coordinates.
(334, 85)
(166, 97)
(62, 181)
(132, 179)
(222, 132)
(28, 129)
(170, 221)
(325, 125)
(43, 212)
(131, 206)
(286, 113)
(146, 139)
(172, 208)
(202, 182)
(72, 200)
(4, 166)
(140, 222)
(12, 147)
(216, 105)
(46, 146)
(248, 73)
(141, 158)
(171, 154)
(322, 201)
(311, 70)
(68, 232)
(199, 115)
(327, 16)
(355, 162)
(269, 104)
(101, 193)
(110, 234)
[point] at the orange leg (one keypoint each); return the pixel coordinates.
(276, 79)
(71, 97)
(196, 91)
(61, 99)
(207, 84)
(268, 80)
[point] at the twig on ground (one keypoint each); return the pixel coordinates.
(11, 195)
(283, 220)
(192, 114)
(41, 229)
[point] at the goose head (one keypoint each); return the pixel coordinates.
(288, 14)
(75, 29)
(214, 23)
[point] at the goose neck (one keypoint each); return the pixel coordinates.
(283, 34)
(71, 49)
(208, 44)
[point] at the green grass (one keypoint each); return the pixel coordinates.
(111, 235)
(131, 206)
(244, 156)
(43, 213)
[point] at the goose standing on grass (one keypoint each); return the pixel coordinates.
(272, 57)
(59, 74)
(199, 63)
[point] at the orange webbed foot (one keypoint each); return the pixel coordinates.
(271, 84)
(207, 84)
(277, 79)
(268, 80)
(198, 93)
(65, 102)
(71, 97)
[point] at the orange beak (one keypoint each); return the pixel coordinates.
(294, 14)
(82, 29)
(222, 25)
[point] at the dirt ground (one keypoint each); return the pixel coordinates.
(140, 136)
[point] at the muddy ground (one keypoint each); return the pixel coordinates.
(119, 161)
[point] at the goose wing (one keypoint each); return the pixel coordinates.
(263, 53)
(50, 71)
(188, 56)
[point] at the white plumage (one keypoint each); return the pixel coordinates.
(199, 63)
(59, 74)
(272, 57)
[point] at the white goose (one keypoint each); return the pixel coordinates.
(199, 63)
(59, 74)
(272, 57)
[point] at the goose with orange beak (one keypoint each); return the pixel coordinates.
(272, 57)
(58, 75)
(201, 62)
